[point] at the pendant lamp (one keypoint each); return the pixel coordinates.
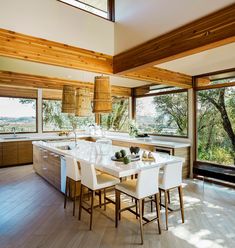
(68, 99)
(83, 102)
(102, 102)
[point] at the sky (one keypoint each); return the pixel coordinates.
(11, 107)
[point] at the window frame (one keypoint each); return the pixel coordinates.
(36, 111)
(196, 89)
(159, 94)
(110, 9)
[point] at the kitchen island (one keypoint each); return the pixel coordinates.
(50, 164)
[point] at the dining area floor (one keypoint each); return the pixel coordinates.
(32, 215)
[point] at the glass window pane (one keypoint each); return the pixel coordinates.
(54, 120)
(97, 7)
(163, 114)
(216, 125)
(119, 118)
(19, 113)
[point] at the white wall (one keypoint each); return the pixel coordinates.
(138, 21)
(53, 20)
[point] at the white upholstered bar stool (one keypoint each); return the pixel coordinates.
(144, 186)
(94, 182)
(73, 175)
(171, 178)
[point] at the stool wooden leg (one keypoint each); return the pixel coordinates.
(100, 200)
(92, 208)
(117, 207)
(105, 200)
(166, 208)
(168, 195)
(66, 192)
(74, 198)
(160, 192)
(143, 207)
(180, 190)
(80, 205)
(158, 212)
(136, 208)
(140, 201)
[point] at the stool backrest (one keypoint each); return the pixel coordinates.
(88, 174)
(72, 168)
(147, 182)
(172, 176)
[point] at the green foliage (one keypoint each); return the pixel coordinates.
(216, 125)
(118, 119)
(171, 112)
(54, 120)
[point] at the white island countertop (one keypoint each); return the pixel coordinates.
(86, 151)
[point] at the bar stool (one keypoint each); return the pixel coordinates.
(94, 182)
(72, 174)
(144, 186)
(171, 178)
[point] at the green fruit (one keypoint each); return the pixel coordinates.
(118, 155)
(126, 160)
(123, 152)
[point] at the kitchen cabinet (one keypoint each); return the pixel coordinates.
(0, 154)
(9, 153)
(25, 152)
(16, 153)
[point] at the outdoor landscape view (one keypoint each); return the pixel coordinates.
(18, 113)
(216, 125)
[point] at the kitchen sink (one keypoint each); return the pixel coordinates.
(14, 138)
(65, 148)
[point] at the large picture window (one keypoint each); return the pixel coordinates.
(118, 120)
(54, 120)
(18, 114)
(216, 125)
(163, 114)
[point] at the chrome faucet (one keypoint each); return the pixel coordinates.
(14, 131)
(75, 137)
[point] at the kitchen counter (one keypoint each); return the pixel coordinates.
(86, 151)
(35, 137)
(125, 138)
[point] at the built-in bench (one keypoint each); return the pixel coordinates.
(224, 173)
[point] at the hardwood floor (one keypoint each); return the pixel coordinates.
(32, 215)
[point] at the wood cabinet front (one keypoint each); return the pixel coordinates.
(25, 152)
(9, 153)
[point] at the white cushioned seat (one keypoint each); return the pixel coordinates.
(128, 187)
(105, 181)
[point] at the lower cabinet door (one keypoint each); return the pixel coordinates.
(9, 153)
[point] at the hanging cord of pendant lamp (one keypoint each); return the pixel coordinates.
(68, 99)
(83, 102)
(102, 102)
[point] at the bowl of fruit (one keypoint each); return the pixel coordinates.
(121, 156)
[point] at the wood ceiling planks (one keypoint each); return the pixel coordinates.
(208, 32)
(20, 79)
(162, 76)
(17, 45)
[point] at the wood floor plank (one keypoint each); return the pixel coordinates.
(32, 216)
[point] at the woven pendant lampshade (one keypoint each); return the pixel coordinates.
(102, 102)
(83, 102)
(68, 99)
